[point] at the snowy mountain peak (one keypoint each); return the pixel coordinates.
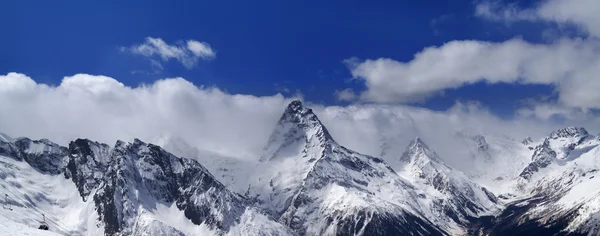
(564, 144)
(295, 106)
(417, 149)
(569, 132)
(459, 196)
(297, 124)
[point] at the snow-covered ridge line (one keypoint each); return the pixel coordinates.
(306, 183)
(125, 183)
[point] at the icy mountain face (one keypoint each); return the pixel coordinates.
(297, 124)
(298, 141)
(132, 189)
(559, 189)
(87, 165)
(141, 176)
(347, 193)
(45, 156)
(561, 146)
(457, 196)
(317, 187)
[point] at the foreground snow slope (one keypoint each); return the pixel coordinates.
(8, 227)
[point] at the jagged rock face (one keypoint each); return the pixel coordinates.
(569, 132)
(142, 175)
(205, 200)
(542, 157)
(557, 146)
(298, 141)
(317, 187)
(343, 187)
(9, 149)
(560, 200)
(297, 124)
(129, 181)
(88, 164)
(46, 156)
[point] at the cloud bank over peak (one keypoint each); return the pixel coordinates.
(103, 109)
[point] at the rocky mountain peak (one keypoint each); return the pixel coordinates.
(297, 124)
(569, 132)
(417, 149)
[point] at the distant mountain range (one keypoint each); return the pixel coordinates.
(305, 183)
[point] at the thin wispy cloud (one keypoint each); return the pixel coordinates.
(157, 50)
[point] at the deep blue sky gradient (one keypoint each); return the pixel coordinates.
(262, 46)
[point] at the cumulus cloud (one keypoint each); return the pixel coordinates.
(571, 65)
(187, 54)
(346, 95)
(103, 109)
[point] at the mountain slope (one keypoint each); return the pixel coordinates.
(129, 189)
(457, 195)
(559, 189)
(318, 187)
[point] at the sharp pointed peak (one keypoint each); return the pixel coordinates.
(417, 147)
(295, 105)
(296, 123)
(417, 143)
(297, 108)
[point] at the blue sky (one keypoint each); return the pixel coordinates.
(262, 47)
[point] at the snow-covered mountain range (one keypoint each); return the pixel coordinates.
(304, 183)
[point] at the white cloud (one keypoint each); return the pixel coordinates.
(200, 49)
(508, 14)
(582, 13)
(187, 54)
(103, 109)
(571, 65)
(346, 95)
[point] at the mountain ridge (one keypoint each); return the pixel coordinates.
(305, 183)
